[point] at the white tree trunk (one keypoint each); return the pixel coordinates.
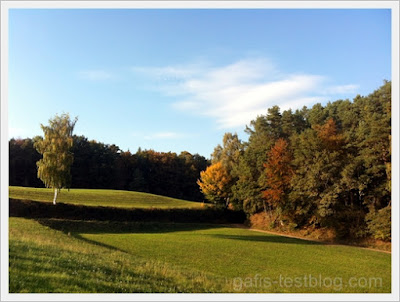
(55, 196)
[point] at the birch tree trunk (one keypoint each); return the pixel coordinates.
(226, 203)
(55, 196)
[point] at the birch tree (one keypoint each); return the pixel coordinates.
(55, 166)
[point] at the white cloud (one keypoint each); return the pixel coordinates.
(341, 89)
(169, 72)
(235, 94)
(96, 75)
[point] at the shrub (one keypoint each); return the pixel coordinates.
(37, 209)
(347, 223)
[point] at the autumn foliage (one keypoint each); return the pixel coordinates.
(278, 173)
(213, 183)
(328, 134)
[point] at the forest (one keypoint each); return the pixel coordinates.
(320, 167)
(101, 166)
(323, 167)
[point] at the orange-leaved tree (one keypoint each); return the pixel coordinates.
(214, 184)
(278, 174)
(329, 135)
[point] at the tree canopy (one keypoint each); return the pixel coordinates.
(324, 166)
(98, 165)
(214, 183)
(54, 169)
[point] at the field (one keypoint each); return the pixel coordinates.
(111, 198)
(49, 255)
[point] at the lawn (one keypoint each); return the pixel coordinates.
(44, 260)
(112, 198)
(51, 255)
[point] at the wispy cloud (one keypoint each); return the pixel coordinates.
(235, 94)
(170, 72)
(95, 75)
(341, 89)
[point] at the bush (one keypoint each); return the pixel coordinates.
(347, 223)
(37, 209)
(379, 223)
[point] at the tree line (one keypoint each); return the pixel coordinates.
(320, 167)
(102, 166)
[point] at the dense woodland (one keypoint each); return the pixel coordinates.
(319, 167)
(323, 167)
(100, 166)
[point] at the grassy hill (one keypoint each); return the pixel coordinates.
(50, 255)
(113, 198)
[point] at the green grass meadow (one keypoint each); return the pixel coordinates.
(49, 255)
(105, 198)
(44, 260)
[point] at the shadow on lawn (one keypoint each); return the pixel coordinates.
(268, 238)
(117, 227)
(77, 227)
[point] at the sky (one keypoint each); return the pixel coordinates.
(178, 79)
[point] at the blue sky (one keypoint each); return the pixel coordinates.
(175, 80)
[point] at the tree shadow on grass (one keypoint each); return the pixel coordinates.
(77, 229)
(117, 227)
(268, 238)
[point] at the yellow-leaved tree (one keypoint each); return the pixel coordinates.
(54, 168)
(214, 184)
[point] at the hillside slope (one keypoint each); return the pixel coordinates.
(112, 198)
